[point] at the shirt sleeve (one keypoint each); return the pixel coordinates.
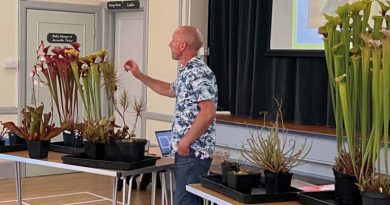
(204, 88)
(174, 86)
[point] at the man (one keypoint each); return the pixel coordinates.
(193, 128)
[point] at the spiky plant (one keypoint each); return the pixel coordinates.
(138, 107)
(110, 83)
(270, 152)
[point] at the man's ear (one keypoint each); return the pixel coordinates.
(183, 46)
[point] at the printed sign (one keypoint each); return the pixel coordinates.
(131, 4)
(61, 38)
(114, 5)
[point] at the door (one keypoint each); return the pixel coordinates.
(39, 24)
(129, 44)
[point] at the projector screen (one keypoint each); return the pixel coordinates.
(294, 24)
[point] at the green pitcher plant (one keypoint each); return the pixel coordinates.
(357, 57)
(92, 73)
(35, 125)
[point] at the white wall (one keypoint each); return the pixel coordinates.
(164, 18)
(8, 43)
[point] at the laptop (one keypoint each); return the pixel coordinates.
(164, 138)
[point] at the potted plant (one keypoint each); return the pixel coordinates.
(132, 149)
(37, 129)
(227, 165)
(88, 81)
(14, 139)
(93, 133)
(357, 56)
(2, 133)
(55, 67)
(272, 154)
(243, 180)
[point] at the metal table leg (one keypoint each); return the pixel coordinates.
(171, 185)
(154, 174)
(123, 190)
(164, 195)
(18, 184)
(114, 188)
(130, 188)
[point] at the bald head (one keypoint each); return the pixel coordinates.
(191, 35)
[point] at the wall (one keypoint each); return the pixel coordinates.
(162, 23)
(9, 50)
(8, 43)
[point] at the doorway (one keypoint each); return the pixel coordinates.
(36, 21)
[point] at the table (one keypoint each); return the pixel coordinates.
(220, 199)
(54, 160)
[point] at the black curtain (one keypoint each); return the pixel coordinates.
(248, 80)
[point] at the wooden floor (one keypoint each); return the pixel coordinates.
(69, 189)
(76, 188)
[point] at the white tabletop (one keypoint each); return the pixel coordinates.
(54, 160)
(222, 199)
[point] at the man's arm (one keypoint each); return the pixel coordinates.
(202, 121)
(158, 86)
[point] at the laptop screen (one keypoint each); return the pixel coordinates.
(164, 138)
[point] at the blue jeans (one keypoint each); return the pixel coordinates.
(187, 171)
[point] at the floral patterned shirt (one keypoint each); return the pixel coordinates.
(195, 82)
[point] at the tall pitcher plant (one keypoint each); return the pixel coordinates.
(357, 56)
(53, 69)
(95, 71)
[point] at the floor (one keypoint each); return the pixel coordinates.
(68, 189)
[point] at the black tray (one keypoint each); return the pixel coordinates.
(83, 161)
(214, 182)
(60, 147)
(318, 198)
(12, 148)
